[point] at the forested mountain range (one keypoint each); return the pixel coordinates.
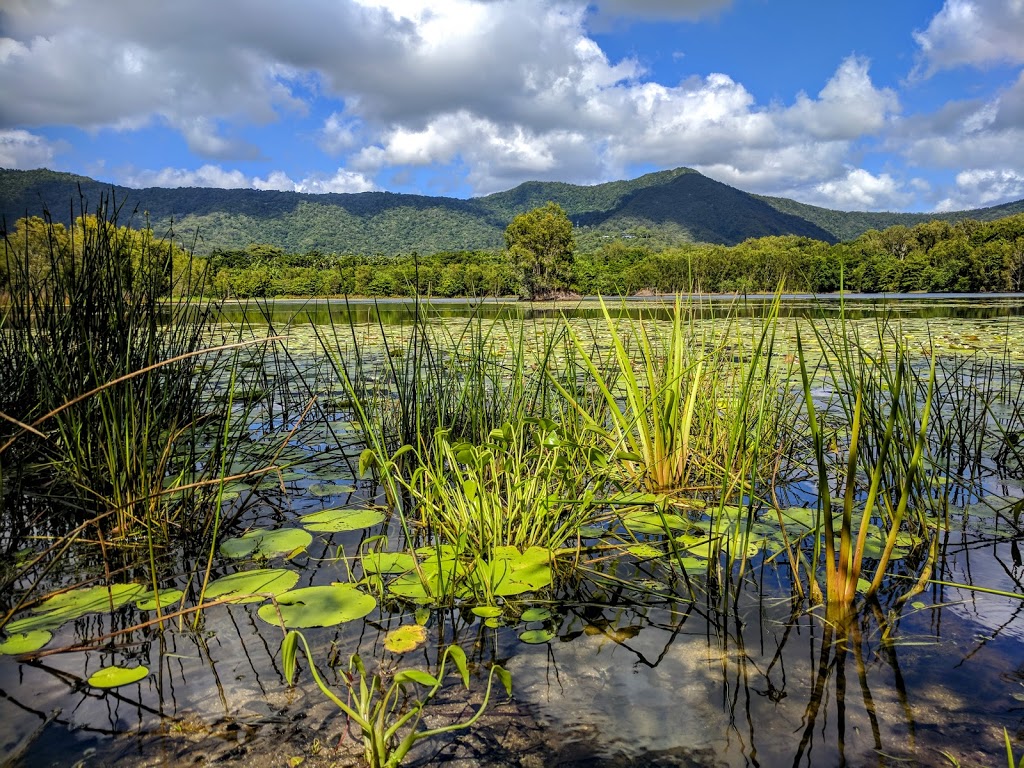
(674, 206)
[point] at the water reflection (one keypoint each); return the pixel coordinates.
(403, 312)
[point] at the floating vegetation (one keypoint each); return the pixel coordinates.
(115, 676)
(263, 545)
(318, 607)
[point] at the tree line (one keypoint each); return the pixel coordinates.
(542, 259)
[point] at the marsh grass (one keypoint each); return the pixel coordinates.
(884, 400)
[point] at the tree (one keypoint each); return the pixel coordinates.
(541, 244)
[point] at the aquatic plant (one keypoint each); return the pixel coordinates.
(891, 446)
(386, 713)
(682, 410)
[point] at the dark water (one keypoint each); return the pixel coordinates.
(856, 306)
(638, 673)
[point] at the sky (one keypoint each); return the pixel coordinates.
(901, 105)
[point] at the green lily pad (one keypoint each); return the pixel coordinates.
(338, 520)
(536, 614)
(536, 636)
(510, 573)
(439, 578)
(252, 586)
(487, 611)
(330, 489)
(318, 606)
(166, 598)
(406, 638)
(388, 562)
(644, 551)
(114, 677)
(266, 544)
(73, 604)
(651, 522)
(15, 645)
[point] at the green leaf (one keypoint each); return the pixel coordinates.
(266, 544)
(536, 636)
(505, 676)
(165, 598)
(536, 614)
(252, 586)
(329, 489)
(289, 651)
(318, 606)
(486, 611)
(73, 604)
(388, 562)
(458, 657)
(15, 645)
(338, 520)
(416, 676)
(406, 638)
(114, 677)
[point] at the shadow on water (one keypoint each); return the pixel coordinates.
(633, 674)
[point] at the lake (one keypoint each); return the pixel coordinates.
(626, 655)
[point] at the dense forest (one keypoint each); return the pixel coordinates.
(670, 208)
(932, 256)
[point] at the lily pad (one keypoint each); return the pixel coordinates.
(537, 636)
(166, 598)
(487, 611)
(330, 489)
(15, 645)
(266, 544)
(644, 551)
(338, 520)
(114, 677)
(510, 573)
(536, 614)
(405, 639)
(252, 586)
(388, 562)
(651, 522)
(73, 604)
(318, 606)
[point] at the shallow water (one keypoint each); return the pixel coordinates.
(630, 678)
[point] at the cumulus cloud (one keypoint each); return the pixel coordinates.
(24, 151)
(215, 176)
(983, 140)
(973, 32)
(504, 90)
(983, 186)
(860, 190)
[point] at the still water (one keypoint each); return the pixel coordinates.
(637, 672)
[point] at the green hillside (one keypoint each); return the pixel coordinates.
(669, 206)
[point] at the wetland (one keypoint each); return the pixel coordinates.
(688, 531)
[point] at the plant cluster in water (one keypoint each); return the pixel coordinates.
(510, 464)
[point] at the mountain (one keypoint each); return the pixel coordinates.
(679, 205)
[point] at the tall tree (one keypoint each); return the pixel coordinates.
(541, 244)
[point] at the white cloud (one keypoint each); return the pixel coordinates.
(980, 187)
(973, 32)
(860, 190)
(24, 151)
(217, 177)
(981, 140)
(339, 133)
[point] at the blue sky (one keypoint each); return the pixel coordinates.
(870, 105)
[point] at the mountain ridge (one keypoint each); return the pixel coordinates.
(680, 204)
